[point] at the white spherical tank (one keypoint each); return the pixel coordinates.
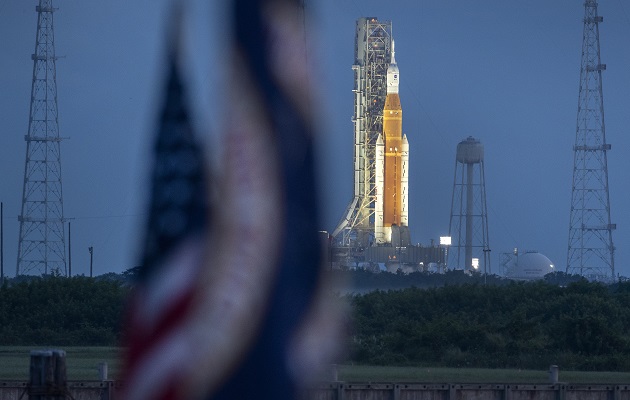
(529, 265)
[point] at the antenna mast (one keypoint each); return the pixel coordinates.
(41, 246)
(591, 251)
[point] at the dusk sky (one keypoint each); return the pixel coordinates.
(505, 72)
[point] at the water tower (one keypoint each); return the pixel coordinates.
(468, 226)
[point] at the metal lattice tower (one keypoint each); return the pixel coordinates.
(468, 224)
(591, 250)
(372, 58)
(41, 246)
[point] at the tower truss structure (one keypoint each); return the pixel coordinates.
(372, 58)
(468, 224)
(41, 245)
(590, 251)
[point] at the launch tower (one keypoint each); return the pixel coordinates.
(468, 226)
(372, 59)
(41, 246)
(591, 251)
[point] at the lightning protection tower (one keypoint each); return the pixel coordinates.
(591, 251)
(41, 245)
(468, 225)
(372, 58)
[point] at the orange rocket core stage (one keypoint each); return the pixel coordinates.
(392, 137)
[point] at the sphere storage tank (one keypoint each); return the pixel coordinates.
(530, 265)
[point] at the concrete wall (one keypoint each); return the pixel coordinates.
(417, 391)
(79, 390)
(107, 390)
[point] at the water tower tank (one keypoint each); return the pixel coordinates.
(470, 151)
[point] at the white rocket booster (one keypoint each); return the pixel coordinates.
(379, 234)
(404, 183)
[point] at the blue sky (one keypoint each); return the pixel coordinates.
(505, 72)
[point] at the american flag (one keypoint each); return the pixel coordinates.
(236, 311)
(173, 251)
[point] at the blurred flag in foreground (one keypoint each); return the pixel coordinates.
(245, 317)
(174, 244)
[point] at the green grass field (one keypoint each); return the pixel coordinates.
(82, 364)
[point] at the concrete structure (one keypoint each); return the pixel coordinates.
(78, 390)
(468, 225)
(481, 391)
(408, 258)
(110, 390)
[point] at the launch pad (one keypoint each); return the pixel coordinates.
(374, 231)
(388, 258)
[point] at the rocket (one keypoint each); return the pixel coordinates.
(392, 163)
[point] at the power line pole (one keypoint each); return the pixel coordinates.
(41, 245)
(69, 250)
(1, 244)
(91, 250)
(591, 251)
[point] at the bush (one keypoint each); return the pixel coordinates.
(519, 325)
(54, 310)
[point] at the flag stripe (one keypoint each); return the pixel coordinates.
(260, 27)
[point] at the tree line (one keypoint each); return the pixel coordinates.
(58, 311)
(583, 326)
(442, 320)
